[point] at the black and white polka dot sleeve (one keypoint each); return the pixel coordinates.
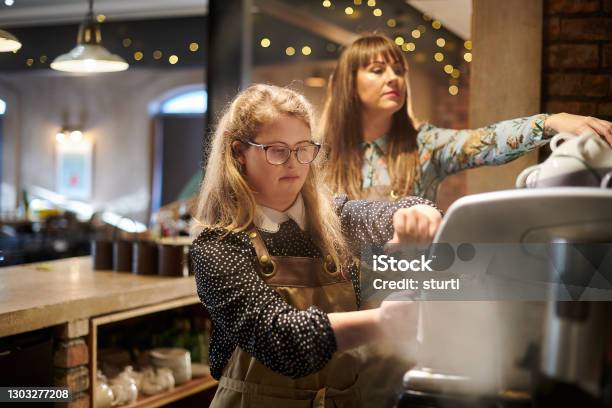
(248, 313)
(371, 222)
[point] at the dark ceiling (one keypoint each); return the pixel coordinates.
(172, 36)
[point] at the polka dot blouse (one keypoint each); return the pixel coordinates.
(246, 312)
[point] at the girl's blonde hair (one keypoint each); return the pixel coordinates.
(226, 200)
(342, 129)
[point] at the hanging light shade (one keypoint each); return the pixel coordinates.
(89, 56)
(8, 42)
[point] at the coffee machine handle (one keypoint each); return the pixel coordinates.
(521, 180)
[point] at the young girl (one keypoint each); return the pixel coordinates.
(273, 260)
(379, 150)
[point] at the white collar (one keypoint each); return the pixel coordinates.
(269, 219)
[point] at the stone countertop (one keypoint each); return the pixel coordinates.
(38, 295)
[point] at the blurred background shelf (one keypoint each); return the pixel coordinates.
(182, 391)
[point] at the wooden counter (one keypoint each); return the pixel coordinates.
(38, 295)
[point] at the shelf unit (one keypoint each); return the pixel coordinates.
(181, 391)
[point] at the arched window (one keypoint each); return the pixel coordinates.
(179, 128)
(190, 102)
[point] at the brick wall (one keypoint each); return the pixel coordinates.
(71, 363)
(577, 57)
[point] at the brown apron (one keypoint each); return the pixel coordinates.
(302, 282)
(384, 363)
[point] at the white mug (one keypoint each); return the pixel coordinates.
(586, 153)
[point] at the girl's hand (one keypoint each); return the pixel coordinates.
(565, 122)
(398, 319)
(417, 224)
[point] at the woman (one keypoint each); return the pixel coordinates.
(273, 260)
(379, 150)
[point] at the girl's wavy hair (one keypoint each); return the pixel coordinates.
(226, 200)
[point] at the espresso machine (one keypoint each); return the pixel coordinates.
(549, 349)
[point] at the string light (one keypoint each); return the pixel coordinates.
(29, 62)
(43, 59)
(391, 22)
(408, 46)
(349, 11)
(290, 51)
(416, 33)
(357, 2)
(173, 59)
(453, 90)
(306, 50)
(439, 57)
(157, 54)
(326, 3)
(421, 28)
(101, 18)
(467, 57)
(371, 3)
(456, 73)
(126, 42)
(138, 55)
(265, 42)
(194, 46)
(448, 68)
(399, 40)
(377, 12)
(468, 45)
(9, 2)
(436, 24)
(440, 42)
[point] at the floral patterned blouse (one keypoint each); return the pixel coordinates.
(443, 152)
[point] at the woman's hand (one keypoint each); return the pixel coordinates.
(417, 224)
(565, 122)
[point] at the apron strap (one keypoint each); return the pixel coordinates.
(329, 264)
(260, 246)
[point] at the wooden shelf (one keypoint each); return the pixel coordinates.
(192, 387)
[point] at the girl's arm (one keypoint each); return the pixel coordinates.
(372, 222)
(395, 319)
(254, 316)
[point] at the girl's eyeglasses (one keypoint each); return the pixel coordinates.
(279, 154)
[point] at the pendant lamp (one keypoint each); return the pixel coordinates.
(8, 42)
(89, 56)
